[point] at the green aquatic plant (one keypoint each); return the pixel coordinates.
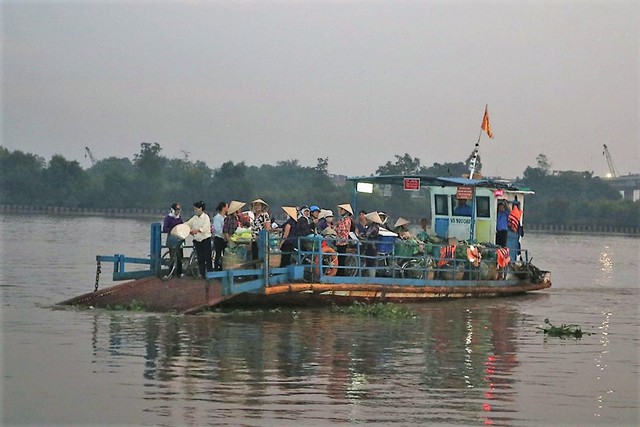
(134, 305)
(563, 331)
(383, 310)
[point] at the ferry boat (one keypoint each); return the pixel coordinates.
(460, 259)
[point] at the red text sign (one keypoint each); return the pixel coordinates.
(412, 184)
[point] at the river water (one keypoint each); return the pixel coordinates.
(465, 362)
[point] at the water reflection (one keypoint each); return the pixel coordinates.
(450, 362)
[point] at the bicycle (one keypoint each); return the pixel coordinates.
(169, 262)
(329, 263)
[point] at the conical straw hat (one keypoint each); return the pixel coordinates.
(291, 211)
(181, 231)
(260, 201)
(374, 217)
(234, 206)
(346, 207)
(400, 222)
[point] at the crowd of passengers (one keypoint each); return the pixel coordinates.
(212, 236)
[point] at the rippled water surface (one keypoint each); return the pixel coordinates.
(464, 362)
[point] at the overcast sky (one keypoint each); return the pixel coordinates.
(355, 81)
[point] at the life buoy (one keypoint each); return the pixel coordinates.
(327, 251)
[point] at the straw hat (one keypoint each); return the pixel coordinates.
(234, 206)
(400, 222)
(346, 207)
(325, 213)
(260, 201)
(329, 232)
(374, 217)
(291, 211)
(181, 230)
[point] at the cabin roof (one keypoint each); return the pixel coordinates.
(426, 181)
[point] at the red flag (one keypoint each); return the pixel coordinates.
(486, 126)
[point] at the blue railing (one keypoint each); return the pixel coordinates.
(307, 265)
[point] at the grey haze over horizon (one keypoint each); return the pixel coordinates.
(355, 81)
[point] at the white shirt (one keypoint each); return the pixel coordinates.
(201, 223)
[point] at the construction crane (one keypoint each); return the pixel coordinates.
(613, 173)
(93, 159)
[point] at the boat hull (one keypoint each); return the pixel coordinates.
(189, 296)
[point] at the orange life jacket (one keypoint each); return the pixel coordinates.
(474, 255)
(447, 253)
(503, 257)
(514, 219)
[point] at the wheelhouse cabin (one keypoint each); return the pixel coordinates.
(473, 220)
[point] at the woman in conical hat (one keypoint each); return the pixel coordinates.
(374, 217)
(344, 226)
(261, 221)
(371, 235)
(401, 228)
(232, 220)
(235, 206)
(346, 207)
(401, 222)
(289, 235)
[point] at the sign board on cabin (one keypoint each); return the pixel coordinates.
(465, 193)
(412, 184)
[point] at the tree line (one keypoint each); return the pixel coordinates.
(153, 181)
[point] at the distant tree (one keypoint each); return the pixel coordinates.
(65, 182)
(148, 160)
(404, 165)
(323, 165)
(543, 163)
(288, 163)
(447, 169)
(20, 177)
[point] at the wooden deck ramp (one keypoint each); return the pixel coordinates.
(185, 296)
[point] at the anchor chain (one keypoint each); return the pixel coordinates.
(98, 271)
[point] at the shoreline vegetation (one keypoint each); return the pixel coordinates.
(146, 185)
(158, 214)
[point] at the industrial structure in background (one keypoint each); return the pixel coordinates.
(627, 185)
(93, 159)
(613, 173)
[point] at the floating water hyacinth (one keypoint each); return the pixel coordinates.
(563, 331)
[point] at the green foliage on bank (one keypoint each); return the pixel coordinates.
(153, 181)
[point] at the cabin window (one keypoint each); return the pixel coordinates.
(442, 207)
(482, 207)
(461, 207)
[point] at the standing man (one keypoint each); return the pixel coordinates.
(200, 225)
(501, 224)
(219, 244)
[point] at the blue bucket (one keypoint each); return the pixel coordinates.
(385, 243)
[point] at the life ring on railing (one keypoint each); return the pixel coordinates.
(333, 261)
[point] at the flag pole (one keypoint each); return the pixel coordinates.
(476, 151)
